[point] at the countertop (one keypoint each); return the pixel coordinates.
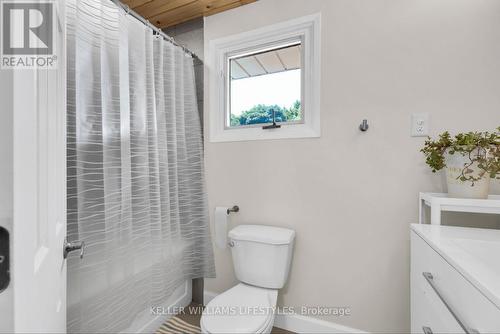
(473, 252)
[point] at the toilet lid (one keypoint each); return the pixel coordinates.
(241, 309)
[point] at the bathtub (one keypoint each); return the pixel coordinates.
(147, 322)
(91, 298)
(149, 319)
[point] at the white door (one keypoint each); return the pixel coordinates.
(39, 210)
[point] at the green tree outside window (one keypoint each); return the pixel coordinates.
(261, 113)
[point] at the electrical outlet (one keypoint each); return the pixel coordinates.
(420, 125)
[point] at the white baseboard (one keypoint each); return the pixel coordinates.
(302, 324)
(299, 323)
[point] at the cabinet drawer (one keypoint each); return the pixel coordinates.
(429, 311)
(474, 310)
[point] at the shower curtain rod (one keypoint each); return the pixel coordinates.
(148, 24)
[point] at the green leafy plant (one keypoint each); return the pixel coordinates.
(481, 148)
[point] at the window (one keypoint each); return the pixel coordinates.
(265, 87)
(264, 84)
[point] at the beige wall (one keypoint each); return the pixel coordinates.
(350, 195)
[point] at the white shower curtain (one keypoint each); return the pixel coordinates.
(136, 192)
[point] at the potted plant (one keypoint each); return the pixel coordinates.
(470, 160)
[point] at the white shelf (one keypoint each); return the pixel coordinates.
(439, 202)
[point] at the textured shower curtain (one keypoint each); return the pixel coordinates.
(136, 193)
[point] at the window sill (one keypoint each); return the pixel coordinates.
(257, 133)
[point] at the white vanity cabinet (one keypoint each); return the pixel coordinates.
(455, 280)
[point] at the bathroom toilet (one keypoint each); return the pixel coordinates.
(261, 258)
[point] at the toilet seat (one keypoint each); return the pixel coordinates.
(241, 309)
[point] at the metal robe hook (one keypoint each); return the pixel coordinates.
(364, 125)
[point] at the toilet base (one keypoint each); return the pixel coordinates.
(238, 298)
(266, 330)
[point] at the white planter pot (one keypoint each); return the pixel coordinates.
(465, 189)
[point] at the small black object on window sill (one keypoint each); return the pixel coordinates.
(274, 125)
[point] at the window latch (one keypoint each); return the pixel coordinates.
(274, 125)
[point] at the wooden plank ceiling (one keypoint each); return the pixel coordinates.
(167, 13)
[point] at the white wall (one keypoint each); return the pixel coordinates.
(350, 195)
(6, 175)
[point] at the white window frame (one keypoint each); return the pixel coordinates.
(308, 30)
(274, 46)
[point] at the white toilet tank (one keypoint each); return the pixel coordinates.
(262, 254)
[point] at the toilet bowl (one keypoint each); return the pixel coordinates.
(261, 258)
(241, 309)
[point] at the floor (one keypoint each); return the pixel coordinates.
(192, 316)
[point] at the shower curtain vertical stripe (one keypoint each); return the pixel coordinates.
(136, 192)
